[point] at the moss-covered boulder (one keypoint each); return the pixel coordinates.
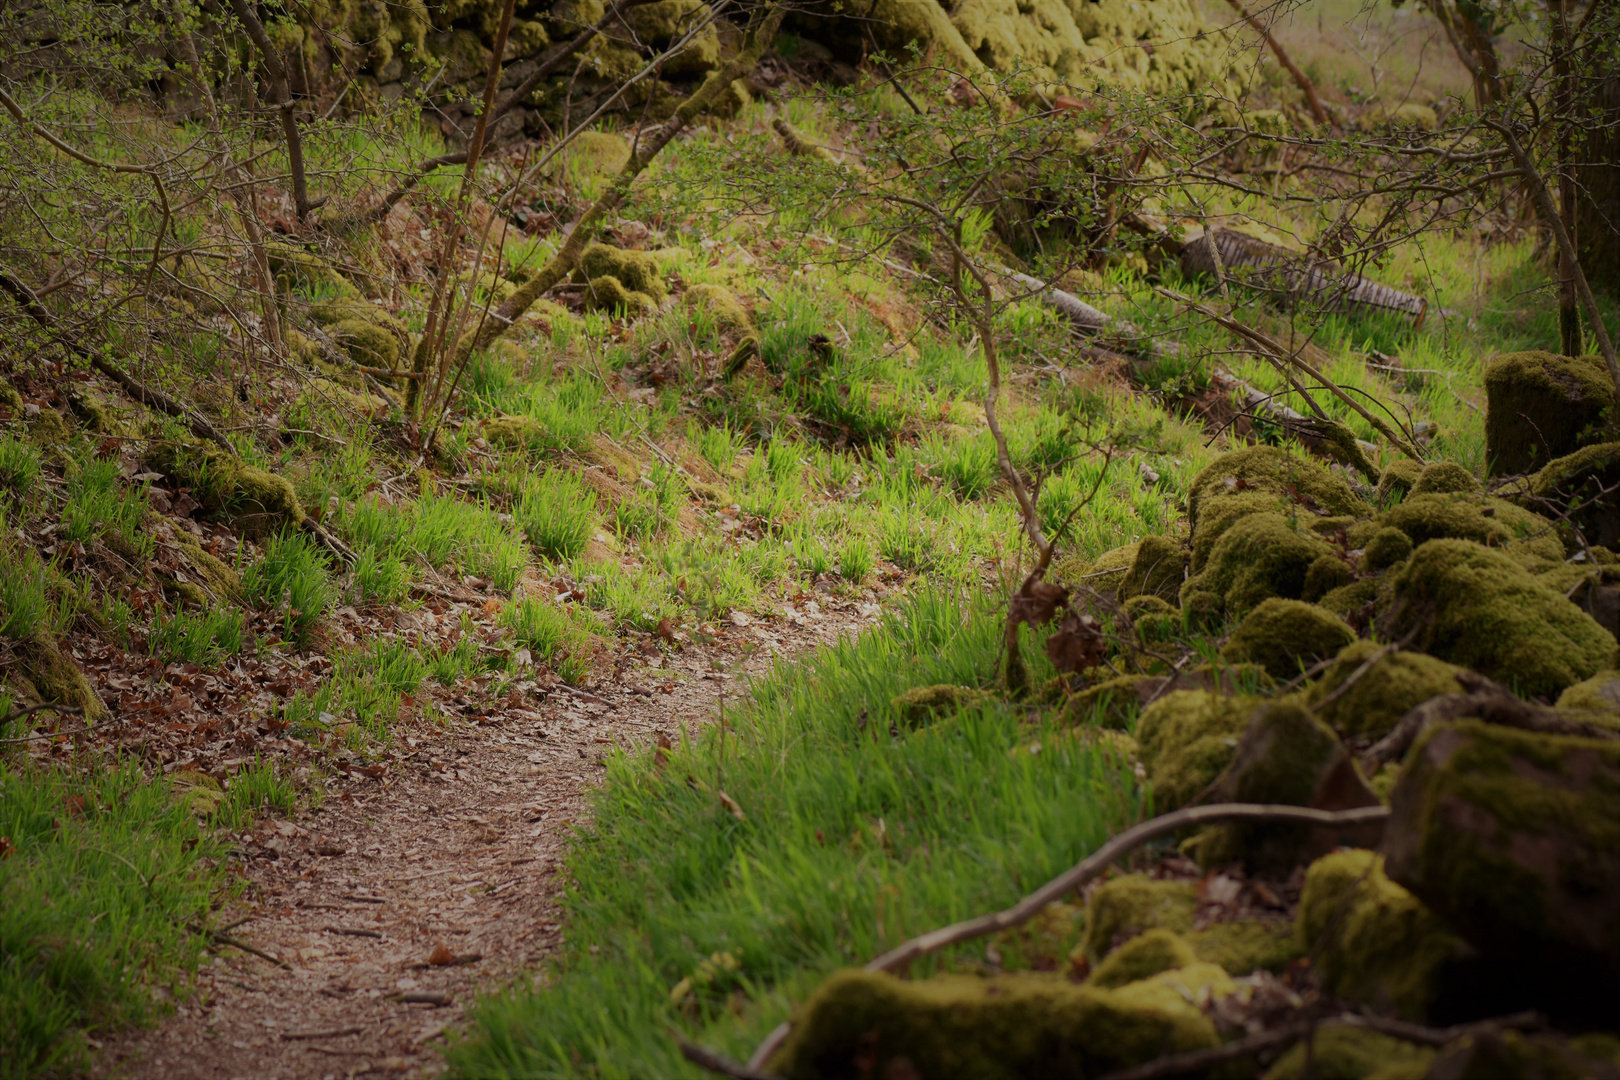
(1104, 574)
(1142, 957)
(1221, 514)
(1154, 619)
(1286, 637)
(1599, 696)
(1374, 942)
(1388, 547)
(1397, 479)
(923, 705)
(1326, 573)
(1008, 1026)
(341, 309)
(303, 269)
(1445, 478)
(1584, 483)
(1158, 569)
(1541, 406)
(221, 582)
(1484, 520)
(1381, 695)
(259, 500)
(608, 293)
(720, 304)
(1519, 1055)
(1110, 704)
(1259, 557)
(1127, 906)
(662, 23)
(367, 344)
(1244, 946)
(1514, 839)
(44, 674)
(1352, 1053)
(1476, 607)
(637, 271)
(598, 153)
(1273, 471)
(1187, 738)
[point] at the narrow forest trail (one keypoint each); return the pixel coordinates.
(392, 906)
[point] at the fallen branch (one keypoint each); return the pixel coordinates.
(1082, 872)
(717, 1062)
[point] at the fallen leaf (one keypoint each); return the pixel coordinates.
(440, 956)
(731, 806)
(1036, 603)
(661, 754)
(1077, 645)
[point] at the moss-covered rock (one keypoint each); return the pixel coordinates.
(1476, 607)
(1220, 514)
(1352, 1053)
(607, 293)
(1375, 703)
(1003, 1027)
(1541, 406)
(328, 394)
(1398, 478)
(1142, 957)
(1354, 601)
(222, 582)
(1104, 574)
(1157, 570)
(636, 270)
(1131, 905)
(1578, 482)
(1110, 704)
(1187, 738)
(1286, 637)
(1388, 547)
(599, 153)
(1326, 573)
(340, 309)
(1517, 1055)
(1599, 695)
(1374, 942)
(1244, 946)
(661, 23)
(1274, 471)
(367, 343)
(1484, 520)
(1445, 478)
(1259, 557)
(923, 705)
(1514, 839)
(46, 675)
(228, 486)
(306, 270)
(720, 304)
(1154, 619)
(49, 428)
(97, 416)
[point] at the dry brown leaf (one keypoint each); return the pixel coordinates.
(440, 957)
(1077, 645)
(731, 806)
(1036, 603)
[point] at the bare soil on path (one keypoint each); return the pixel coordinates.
(380, 916)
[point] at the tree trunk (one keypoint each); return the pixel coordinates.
(1597, 178)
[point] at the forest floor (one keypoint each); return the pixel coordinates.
(378, 915)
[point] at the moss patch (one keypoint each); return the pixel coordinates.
(1277, 472)
(1398, 478)
(1600, 695)
(1244, 946)
(49, 676)
(1577, 482)
(1326, 573)
(637, 271)
(1352, 1053)
(1110, 704)
(1383, 694)
(1142, 957)
(1489, 521)
(720, 304)
(1445, 478)
(1134, 904)
(924, 704)
(225, 485)
(1476, 607)
(1187, 738)
(1541, 406)
(607, 293)
(1388, 547)
(1287, 636)
(1157, 570)
(1259, 557)
(1104, 574)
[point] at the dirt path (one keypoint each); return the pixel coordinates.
(393, 905)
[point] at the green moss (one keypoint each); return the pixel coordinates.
(48, 675)
(367, 343)
(1219, 514)
(637, 271)
(98, 416)
(1342, 446)
(1326, 573)
(223, 583)
(1383, 694)
(660, 24)
(1599, 695)
(306, 270)
(48, 427)
(1541, 406)
(1351, 600)
(11, 402)
(1259, 557)
(1155, 619)
(987, 1029)
(1476, 607)
(1578, 482)
(1127, 906)
(607, 293)
(1268, 469)
(1157, 570)
(1104, 574)
(1110, 704)
(343, 309)
(226, 485)
(1287, 636)
(1374, 942)
(1342, 1052)
(1388, 547)
(1516, 1055)
(924, 704)
(514, 432)
(1142, 957)
(1399, 476)
(1482, 519)
(1188, 737)
(1445, 478)
(1244, 946)
(720, 304)
(326, 394)
(599, 153)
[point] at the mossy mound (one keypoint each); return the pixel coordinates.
(660, 24)
(1276, 472)
(637, 271)
(1008, 1026)
(1517, 1055)
(1131, 905)
(1110, 704)
(1244, 946)
(1259, 557)
(608, 293)
(367, 343)
(1187, 738)
(1352, 1053)
(1220, 514)
(1142, 957)
(720, 304)
(923, 705)
(1599, 695)
(1352, 600)
(1157, 570)
(1541, 406)
(1388, 547)
(1445, 478)
(97, 416)
(1398, 478)
(1326, 573)
(223, 582)
(46, 675)
(599, 153)
(1484, 520)
(341, 309)
(514, 432)
(1155, 619)
(1478, 608)
(1578, 482)
(227, 486)
(1286, 637)
(306, 270)
(47, 427)
(1375, 703)
(328, 394)
(1104, 574)
(1374, 942)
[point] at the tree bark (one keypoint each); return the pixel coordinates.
(1597, 172)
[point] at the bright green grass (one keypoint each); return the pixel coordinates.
(100, 900)
(291, 578)
(854, 840)
(205, 638)
(444, 532)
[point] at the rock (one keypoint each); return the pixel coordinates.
(1269, 470)
(1494, 522)
(1286, 637)
(1259, 557)
(228, 486)
(1287, 757)
(1445, 478)
(1352, 1053)
(1399, 476)
(1541, 406)
(636, 270)
(864, 1023)
(720, 304)
(1517, 1055)
(1384, 693)
(1142, 957)
(1371, 940)
(1131, 905)
(925, 704)
(1326, 573)
(598, 153)
(1157, 570)
(1597, 698)
(1244, 946)
(1513, 838)
(1187, 738)
(1585, 483)
(607, 293)
(1221, 514)
(1476, 607)
(1388, 547)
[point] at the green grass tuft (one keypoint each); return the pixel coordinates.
(291, 578)
(558, 514)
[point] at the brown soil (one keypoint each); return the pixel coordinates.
(438, 879)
